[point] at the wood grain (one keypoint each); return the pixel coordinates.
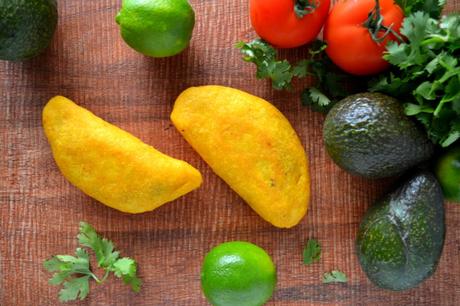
(89, 63)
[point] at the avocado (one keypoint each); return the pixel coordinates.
(401, 237)
(368, 134)
(26, 27)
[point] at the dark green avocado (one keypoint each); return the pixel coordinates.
(369, 135)
(26, 27)
(401, 237)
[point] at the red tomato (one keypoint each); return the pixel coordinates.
(277, 22)
(349, 43)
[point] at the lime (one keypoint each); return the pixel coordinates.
(448, 173)
(238, 273)
(157, 28)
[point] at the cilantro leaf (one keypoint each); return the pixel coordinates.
(452, 137)
(74, 272)
(334, 276)
(312, 252)
(316, 100)
(389, 84)
(67, 267)
(318, 97)
(52, 264)
(75, 288)
(425, 90)
(102, 247)
(124, 266)
(301, 69)
(126, 269)
(414, 109)
(280, 73)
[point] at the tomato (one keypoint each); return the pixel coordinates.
(277, 22)
(350, 45)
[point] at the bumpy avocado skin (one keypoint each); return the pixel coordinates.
(401, 237)
(369, 135)
(26, 27)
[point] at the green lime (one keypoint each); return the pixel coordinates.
(238, 273)
(448, 173)
(157, 28)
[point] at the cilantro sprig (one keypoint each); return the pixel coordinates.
(74, 272)
(329, 79)
(426, 74)
(264, 56)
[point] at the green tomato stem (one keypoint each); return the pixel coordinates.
(305, 7)
(374, 24)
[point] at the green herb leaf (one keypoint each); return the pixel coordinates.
(312, 252)
(456, 106)
(102, 247)
(53, 264)
(414, 109)
(316, 100)
(334, 276)
(74, 272)
(126, 269)
(75, 288)
(67, 267)
(397, 54)
(301, 70)
(452, 137)
(425, 90)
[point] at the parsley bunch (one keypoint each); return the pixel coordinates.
(74, 272)
(426, 74)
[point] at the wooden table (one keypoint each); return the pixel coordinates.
(40, 211)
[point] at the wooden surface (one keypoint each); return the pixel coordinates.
(89, 63)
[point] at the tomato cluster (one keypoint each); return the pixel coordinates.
(356, 31)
